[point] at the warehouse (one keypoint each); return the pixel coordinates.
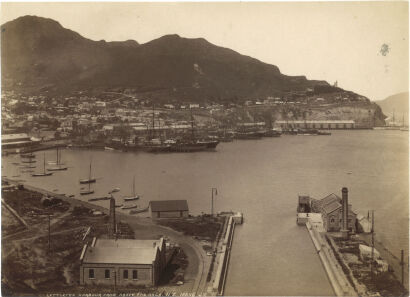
(327, 124)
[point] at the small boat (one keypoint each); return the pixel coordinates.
(119, 205)
(323, 133)
(57, 168)
(44, 170)
(87, 181)
(28, 161)
(99, 199)
(133, 197)
(71, 196)
(109, 148)
(130, 206)
(42, 174)
(115, 190)
(29, 166)
(135, 211)
(86, 192)
(31, 155)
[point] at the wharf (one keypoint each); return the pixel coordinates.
(224, 250)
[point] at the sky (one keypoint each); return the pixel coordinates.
(362, 45)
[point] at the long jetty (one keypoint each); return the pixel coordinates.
(218, 286)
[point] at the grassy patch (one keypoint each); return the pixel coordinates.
(201, 227)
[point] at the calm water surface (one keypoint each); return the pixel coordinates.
(271, 255)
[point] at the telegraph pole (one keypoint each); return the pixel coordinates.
(49, 236)
(115, 282)
(402, 267)
(371, 263)
(212, 201)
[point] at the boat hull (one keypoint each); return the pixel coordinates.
(131, 198)
(41, 174)
(88, 181)
(57, 169)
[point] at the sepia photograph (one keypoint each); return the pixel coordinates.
(205, 148)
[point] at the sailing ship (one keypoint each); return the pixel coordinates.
(192, 144)
(44, 169)
(58, 163)
(272, 133)
(89, 180)
(155, 145)
(133, 197)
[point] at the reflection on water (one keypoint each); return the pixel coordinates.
(271, 255)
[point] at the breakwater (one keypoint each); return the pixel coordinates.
(337, 278)
(218, 286)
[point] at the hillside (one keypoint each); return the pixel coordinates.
(39, 54)
(398, 103)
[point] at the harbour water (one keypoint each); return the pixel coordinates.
(271, 255)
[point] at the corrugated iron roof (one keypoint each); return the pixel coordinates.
(123, 251)
(169, 205)
(116, 255)
(331, 207)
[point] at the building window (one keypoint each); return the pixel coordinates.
(134, 274)
(90, 273)
(125, 274)
(349, 221)
(107, 273)
(332, 220)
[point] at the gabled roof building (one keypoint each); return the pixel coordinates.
(122, 262)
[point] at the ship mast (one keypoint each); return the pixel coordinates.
(153, 121)
(192, 125)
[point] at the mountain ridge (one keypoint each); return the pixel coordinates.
(40, 54)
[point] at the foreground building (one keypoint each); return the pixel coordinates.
(332, 208)
(122, 262)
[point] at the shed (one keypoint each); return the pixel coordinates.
(168, 209)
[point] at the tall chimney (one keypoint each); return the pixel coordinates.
(345, 212)
(112, 219)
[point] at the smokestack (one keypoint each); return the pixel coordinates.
(112, 218)
(345, 212)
